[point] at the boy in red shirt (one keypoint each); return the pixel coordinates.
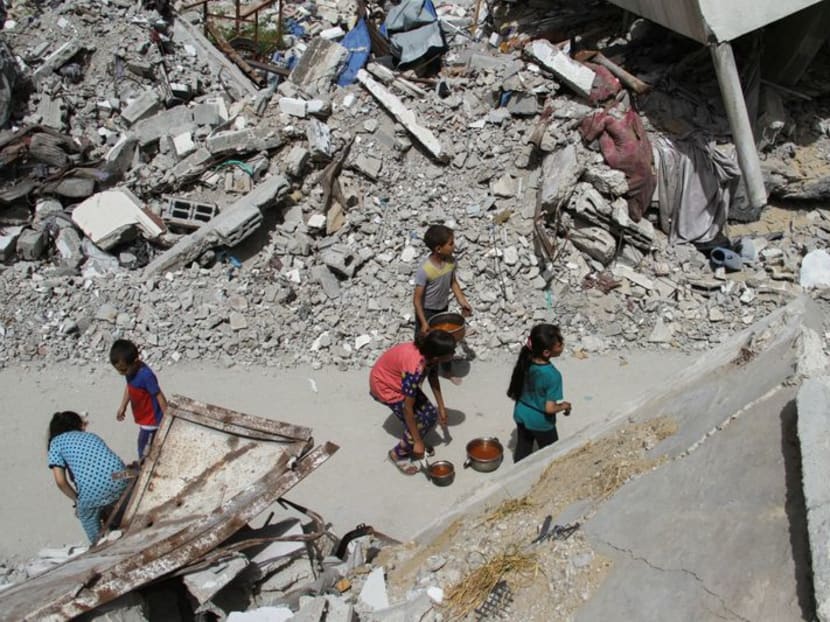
(142, 392)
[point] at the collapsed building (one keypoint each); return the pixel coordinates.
(225, 208)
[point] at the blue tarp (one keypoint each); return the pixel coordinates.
(359, 44)
(414, 31)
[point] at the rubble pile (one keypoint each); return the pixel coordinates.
(153, 191)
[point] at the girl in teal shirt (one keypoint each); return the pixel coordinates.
(536, 387)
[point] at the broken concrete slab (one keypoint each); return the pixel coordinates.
(319, 139)
(318, 66)
(403, 115)
(229, 228)
(56, 59)
(243, 141)
(145, 105)
(167, 123)
(110, 217)
(573, 73)
(560, 172)
(31, 244)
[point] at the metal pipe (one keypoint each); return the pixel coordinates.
(735, 104)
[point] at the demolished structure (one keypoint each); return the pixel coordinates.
(151, 188)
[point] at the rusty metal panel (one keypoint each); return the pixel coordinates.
(219, 481)
(207, 454)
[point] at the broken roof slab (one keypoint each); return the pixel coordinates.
(707, 20)
(210, 472)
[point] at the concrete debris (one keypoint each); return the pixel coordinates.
(573, 73)
(135, 120)
(403, 115)
(110, 218)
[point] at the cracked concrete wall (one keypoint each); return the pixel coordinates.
(813, 434)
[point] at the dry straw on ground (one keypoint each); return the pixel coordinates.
(464, 597)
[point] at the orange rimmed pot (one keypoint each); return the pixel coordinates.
(453, 323)
(441, 473)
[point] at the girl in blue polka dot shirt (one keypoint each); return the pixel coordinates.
(83, 465)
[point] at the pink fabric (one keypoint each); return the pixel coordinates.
(387, 374)
(626, 147)
(605, 84)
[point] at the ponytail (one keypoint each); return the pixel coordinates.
(542, 337)
(517, 380)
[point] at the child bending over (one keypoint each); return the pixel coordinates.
(396, 379)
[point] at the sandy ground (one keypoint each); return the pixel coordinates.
(356, 486)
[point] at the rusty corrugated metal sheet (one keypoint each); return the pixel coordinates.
(188, 499)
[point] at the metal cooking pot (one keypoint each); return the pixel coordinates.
(484, 454)
(441, 473)
(453, 323)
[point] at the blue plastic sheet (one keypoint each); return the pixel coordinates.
(359, 45)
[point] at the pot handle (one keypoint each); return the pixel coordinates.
(468, 462)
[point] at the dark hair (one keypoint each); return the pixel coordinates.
(123, 351)
(542, 337)
(64, 421)
(437, 235)
(435, 343)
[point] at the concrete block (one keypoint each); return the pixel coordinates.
(239, 224)
(183, 144)
(319, 139)
(56, 59)
(232, 141)
(186, 214)
(68, 245)
(318, 66)
(8, 242)
(294, 107)
(31, 244)
(523, 105)
(210, 114)
(145, 105)
(373, 593)
(329, 282)
(369, 166)
(227, 229)
(560, 172)
(268, 192)
(403, 115)
(262, 614)
(341, 260)
(112, 216)
(296, 161)
(193, 165)
(120, 157)
(173, 121)
(333, 34)
(51, 112)
(573, 73)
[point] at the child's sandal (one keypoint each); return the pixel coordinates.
(403, 464)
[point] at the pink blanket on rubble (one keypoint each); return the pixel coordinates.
(626, 147)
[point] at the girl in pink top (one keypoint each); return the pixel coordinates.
(396, 379)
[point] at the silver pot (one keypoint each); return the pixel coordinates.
(484, 454)
(441, 473)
